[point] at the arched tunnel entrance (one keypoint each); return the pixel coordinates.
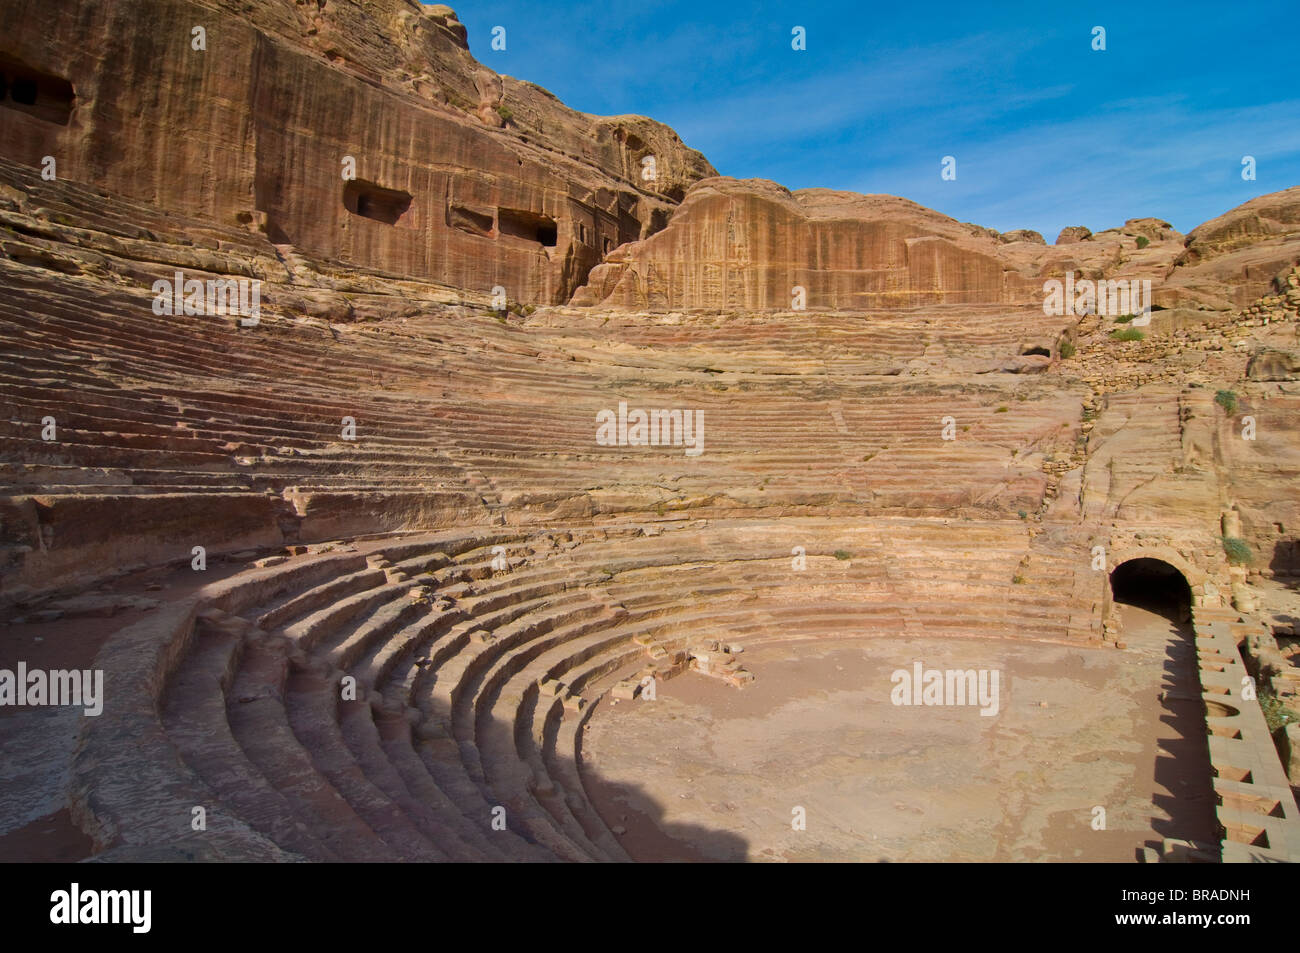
(1154, 585)
(1152, 601)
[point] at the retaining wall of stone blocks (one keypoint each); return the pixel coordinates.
(1257, 810)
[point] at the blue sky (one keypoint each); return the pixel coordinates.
(1046, 132)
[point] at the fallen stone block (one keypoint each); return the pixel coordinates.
(625, 690)
(670, 670)
(574, 703)
(739, 678)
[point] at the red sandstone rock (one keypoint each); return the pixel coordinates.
(1023, 235)
(256, 128)
(751, 243)
(1273, 364)
(1072, 234)
(1239, 256)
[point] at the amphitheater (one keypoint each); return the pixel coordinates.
(364, 585)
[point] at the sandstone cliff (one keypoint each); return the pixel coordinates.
(461, 175)
(1239, 256)
(748, 244)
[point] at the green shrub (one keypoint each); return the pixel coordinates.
(1227, 399)
(1275, 713)
(1018, 579)
(1023, 515)
(504, 112)
(1143, 241)
(1001, 410)
(1127, 334)
(1068, 350)
(1237, 550)
(1125, 318)
(841, 554)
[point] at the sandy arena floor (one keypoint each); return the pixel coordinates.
(708, 772)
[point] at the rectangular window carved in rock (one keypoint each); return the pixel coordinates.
(43, 95)
(528, 225)
(375, 202)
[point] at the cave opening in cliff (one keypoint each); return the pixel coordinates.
(528, 225)
(1285, 561)
(43, 95)
(375, 202)
(1042, 351)
(1154, 585)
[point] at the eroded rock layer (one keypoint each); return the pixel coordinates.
(462, 176)
(752, 244)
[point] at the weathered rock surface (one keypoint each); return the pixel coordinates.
(255, 129)
(1276, 215)
(751, 243)
(1072, 234)
(1149, 229)
(736, 244)
(1273, 364)
(1232, 260)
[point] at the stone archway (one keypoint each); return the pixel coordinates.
(1153, 584)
